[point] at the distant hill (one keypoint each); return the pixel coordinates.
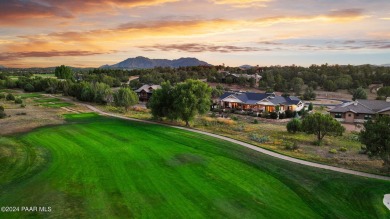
(143, 62)
(246, 66)
(386, 65)
(2, 66)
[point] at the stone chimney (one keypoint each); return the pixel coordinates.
(355, 103)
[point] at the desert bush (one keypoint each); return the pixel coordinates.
(343, 149)
(294, 126)
(291, 146)
(259, 139)
(333, 151)
(29, 87)
(10, 97)
(289, 113)
(273, 115)
(255, 121)
(23, 105)
(239, 128)
(2, 95)
(18, 100)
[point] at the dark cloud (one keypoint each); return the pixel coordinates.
(195, 47)
(47, 54)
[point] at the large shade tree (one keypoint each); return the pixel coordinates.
(63, 72)
(125, 97)
(376, 137)
(191, 97)
(321, 125)
(161, 102)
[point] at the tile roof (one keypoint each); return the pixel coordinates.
(253, 98)
(362, 106)
(149, 88)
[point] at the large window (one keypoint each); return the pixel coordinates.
(367, 117)
(338, 115)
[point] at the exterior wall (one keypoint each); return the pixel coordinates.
(386, 113)
(349, 117)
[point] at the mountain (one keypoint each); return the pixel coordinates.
(2, 66)
(246, 66)
(386, 65)
(143, 62)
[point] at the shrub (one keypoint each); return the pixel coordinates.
(343, 149)
(274, 115)
(289, 114)
(291, 146)
(310, 108)
(2, 113)
(23, 105)
(255, 121)
(259, 139)
(282, 115)
(239, 128)
(333, 151)
(2, 95)
(234, 118)
(294, 126)
(18, 100)
(29, 87)
(265, 114)
(10, 97)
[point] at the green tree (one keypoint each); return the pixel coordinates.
(330, 86)
(125, 97)
(359, 93)
(294, 125)
(384, 91)
(310, 108)
(296, 85)
(376, 137)
(63, 72)
(309, 94)
(321, 125)
(161, 102)
(191, 97)
(10, 97)
(2, 113)
(29, 87)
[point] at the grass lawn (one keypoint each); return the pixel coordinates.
(98, 167)
(45, 75)
(52, 102)
(28, 95)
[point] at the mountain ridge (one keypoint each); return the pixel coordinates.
(141, 62)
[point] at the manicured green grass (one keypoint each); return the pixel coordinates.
(45, 75)
(28, 95)
(98, 167)
(57, 104)
(47, 100)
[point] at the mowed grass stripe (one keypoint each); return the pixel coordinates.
(109, 168)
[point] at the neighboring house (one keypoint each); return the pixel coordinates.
(146, 91)
(360, 110)
(259, 102)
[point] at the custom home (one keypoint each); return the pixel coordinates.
(360, 110)
(146, 91)
(259, 102)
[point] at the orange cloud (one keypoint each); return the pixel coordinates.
(13, 12)
(242, 3)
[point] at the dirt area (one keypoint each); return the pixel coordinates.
(325, 101)
(21, 119)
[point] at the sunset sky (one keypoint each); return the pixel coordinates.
(91, 33)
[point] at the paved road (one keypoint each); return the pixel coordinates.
(261, 150)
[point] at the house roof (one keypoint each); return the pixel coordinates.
(362, 106)
(149, 88)
(253, 98)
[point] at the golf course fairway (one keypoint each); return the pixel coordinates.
(100, 167)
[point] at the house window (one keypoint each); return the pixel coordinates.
(349, 114)
(367, 117)
(338, 115)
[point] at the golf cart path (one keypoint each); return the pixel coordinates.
(261, 150)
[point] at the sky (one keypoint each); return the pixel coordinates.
(91, 33)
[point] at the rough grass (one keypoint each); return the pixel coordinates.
(279, 138)
(97, 167)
